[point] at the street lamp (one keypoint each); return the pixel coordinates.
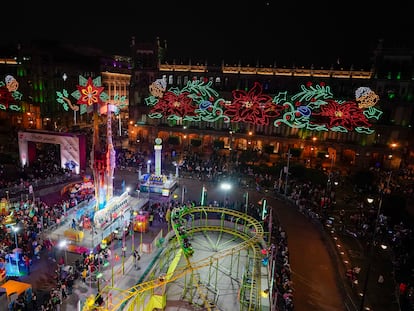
(371, 252)
(287, 171)
(176, 169)
(148, 166)
(203, 195)
(63, 245)
(124, 248)
(15, 230)
(225, 186)
(65, 77)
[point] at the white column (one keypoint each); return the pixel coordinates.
(157, 149)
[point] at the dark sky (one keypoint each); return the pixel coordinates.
(291, 31)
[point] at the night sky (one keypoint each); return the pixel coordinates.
(288, 32)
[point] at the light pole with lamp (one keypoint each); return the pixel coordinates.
(225, 186)
(203, 195)
(246, 202)
(148, 166)
(371, 252)
(124, 248)
(183, 191)
(63, 245)
(16, 253)
(65, 77)
(132, 230)
(287, 171)
(15, 230)
(176, 169)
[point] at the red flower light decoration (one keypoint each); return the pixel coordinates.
(90, 94)
(252, 107)
(347, 114)
(6, 97)
(175, 104)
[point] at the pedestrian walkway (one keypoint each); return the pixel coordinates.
(90, 238)
(121, 274)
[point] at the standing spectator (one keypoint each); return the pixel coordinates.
(137, 257)
(84, 274)
(63, 290)
(73, 224)
(27, 263)
(34, 301)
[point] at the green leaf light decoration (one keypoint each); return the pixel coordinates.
(313, 108)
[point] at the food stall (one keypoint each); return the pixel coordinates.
(140, 221)
(14, 289)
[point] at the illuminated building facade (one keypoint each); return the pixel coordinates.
(45, 68)
(163, 112)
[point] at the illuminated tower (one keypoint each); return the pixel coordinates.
(110, 154)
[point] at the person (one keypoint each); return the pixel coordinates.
(98, 299)
(137, 257)
(27, 263)
(34, 301)
(73, 224)
(84, 274)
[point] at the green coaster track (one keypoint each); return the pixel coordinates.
(186, 223)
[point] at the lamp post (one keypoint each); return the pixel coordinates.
(139, 174)
(371, 252)
(176, 169)
(183, 191)
(148, 166)
(287, 171)
(203, 195)
(15, 230)
(113, 257)
(246, 202)
(119, 125)
(65, 77)
(63, 245)
(225, 186)
(123, 249)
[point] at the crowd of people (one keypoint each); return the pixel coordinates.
(368, 222)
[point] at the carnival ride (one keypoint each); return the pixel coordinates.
(213, 255)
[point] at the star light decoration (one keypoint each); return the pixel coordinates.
(90, 93)
(313, 108)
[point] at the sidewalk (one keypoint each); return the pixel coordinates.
(124, 276)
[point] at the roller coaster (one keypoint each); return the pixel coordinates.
(214, 257)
